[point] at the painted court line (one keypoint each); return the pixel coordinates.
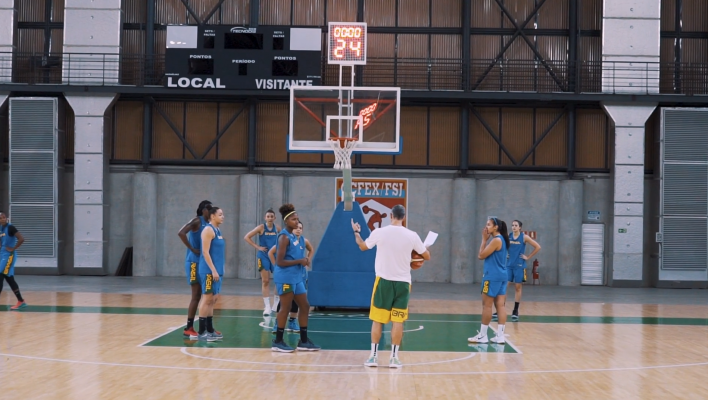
(260, 371)
(169, 330)
(419, 328)
(183, 350)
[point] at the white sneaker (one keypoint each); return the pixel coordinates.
(480, 338)
(394, 362)
(499, 339)
(373, 361)
(267, 311)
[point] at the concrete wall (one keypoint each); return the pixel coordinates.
(547, 203)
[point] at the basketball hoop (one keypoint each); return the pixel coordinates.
(343, 148)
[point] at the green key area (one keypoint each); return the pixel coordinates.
(342, 331)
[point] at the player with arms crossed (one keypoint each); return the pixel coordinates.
(191, 264)
(494, 280)
(516, 264)
(290, 261)
(267, 237)
(10, 240)
(389, 301)
(293, 325)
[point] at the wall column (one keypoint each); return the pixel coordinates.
(92, 31)
(8, 20)
(570, 220)
(144, 224)
(630, 65)
(249, 217)
(462, 227)
(90, 181)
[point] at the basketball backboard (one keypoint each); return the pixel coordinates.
(321, 113)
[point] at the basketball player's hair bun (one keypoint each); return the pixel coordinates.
(286, 209)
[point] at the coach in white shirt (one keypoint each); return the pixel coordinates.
(389, 302)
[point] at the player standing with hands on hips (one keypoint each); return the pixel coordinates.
(494, 281)
(389, 302)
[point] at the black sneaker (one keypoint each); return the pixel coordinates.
(495, 317)
(307, 346)
(515, 317)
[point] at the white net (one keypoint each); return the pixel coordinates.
(342, 155)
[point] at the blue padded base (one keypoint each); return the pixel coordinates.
(342, 275)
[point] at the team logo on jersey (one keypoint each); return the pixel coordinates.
(193, 272)
(207, 284)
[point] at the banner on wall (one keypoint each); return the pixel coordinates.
(377, 196)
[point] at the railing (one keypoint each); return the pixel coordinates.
(429, 74)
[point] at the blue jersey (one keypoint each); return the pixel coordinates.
(216, 251)
(7, 238)
(294, 251)
(195, 240)
(495, 264)
(268, 238)
(517, 247)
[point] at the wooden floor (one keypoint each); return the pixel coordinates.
(100, 346)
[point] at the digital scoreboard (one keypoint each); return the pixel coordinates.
(346, 43)
(228, 57)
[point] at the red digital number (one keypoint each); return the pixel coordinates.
(366, 115)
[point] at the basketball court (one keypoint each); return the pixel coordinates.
(119, 338)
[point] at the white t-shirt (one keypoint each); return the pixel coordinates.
(393, 251)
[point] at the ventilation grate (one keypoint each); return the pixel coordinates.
(37, 225)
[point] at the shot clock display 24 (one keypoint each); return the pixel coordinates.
(347, 43)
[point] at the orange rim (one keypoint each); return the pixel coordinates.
(343, 140)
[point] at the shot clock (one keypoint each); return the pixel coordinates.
(347, 43)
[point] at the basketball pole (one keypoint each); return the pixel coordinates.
(347, 192)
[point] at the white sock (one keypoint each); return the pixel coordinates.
(483, 330)
(500, 330)
(266, 301)
(276, 300)
(394, 350)
(374, 349)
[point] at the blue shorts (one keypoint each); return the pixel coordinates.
(517, 275)
(264, 262)
(494, 288)
(191, 270)
(7, 264)
(296, 288)
(208, 284)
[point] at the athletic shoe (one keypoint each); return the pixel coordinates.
(495, 317)
(267, 311)
(281, 347)
(207, 336)
(373, 361)
(20, 305)
(480, 338)
(515, 317)
(191, 333)
(307, 346)
(499, 339)
(293, 326)
(394, 362)
(217, 334)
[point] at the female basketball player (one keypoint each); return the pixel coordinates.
(290, 261)
(267, 236)
(194, 243)
(293, 325)
(494, 281)
(516, 265)
(211, 270)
